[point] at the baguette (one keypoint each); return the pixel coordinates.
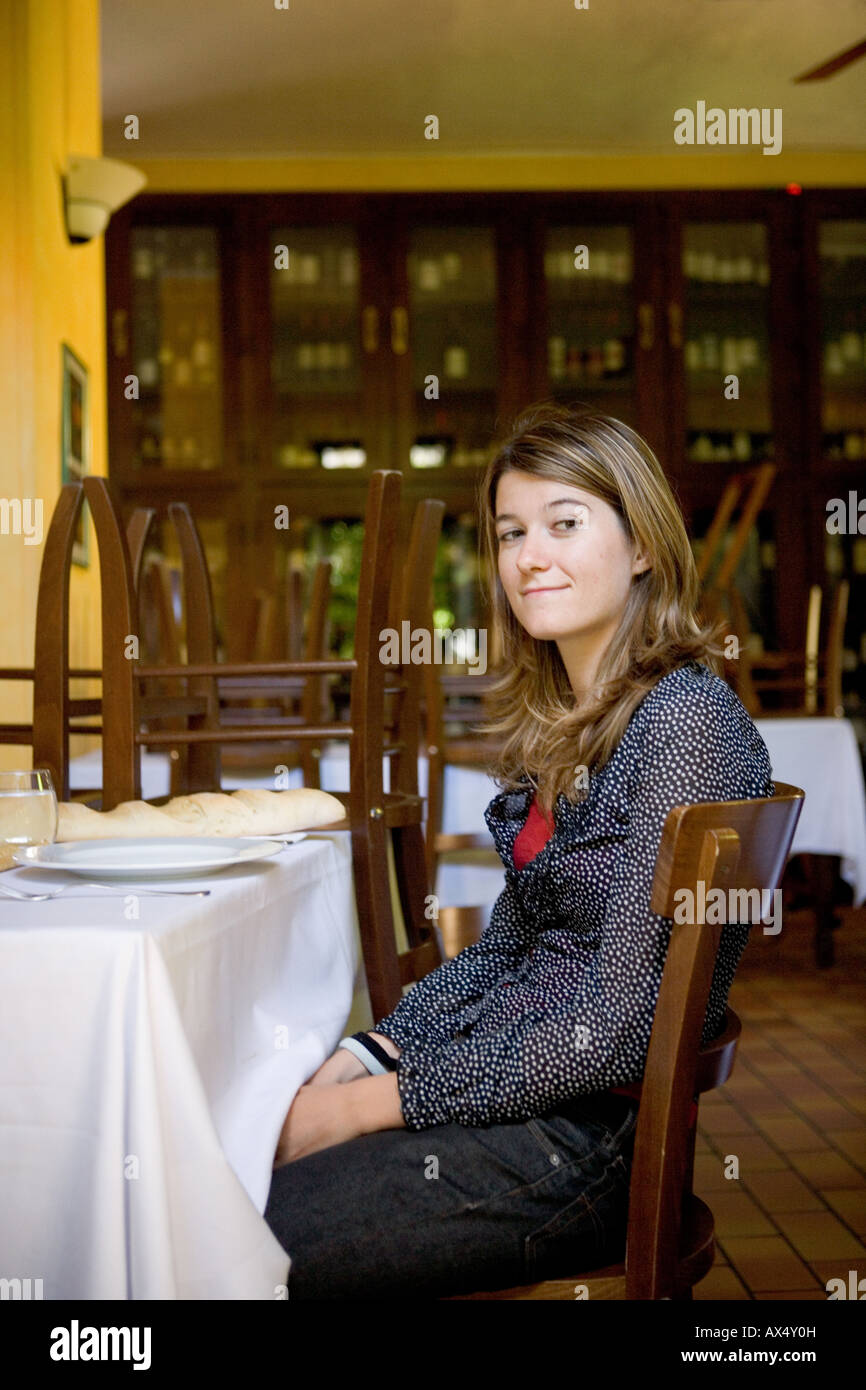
(247, 812)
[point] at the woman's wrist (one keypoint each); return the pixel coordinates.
(387, 1043)
(374, 1104)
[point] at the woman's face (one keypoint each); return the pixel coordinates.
(565, 563)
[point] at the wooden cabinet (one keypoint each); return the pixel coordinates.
(268, 351)
(834, 401)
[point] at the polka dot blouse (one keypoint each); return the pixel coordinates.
(557, 998)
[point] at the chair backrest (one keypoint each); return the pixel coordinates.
(315, 704)
(157, 612)
(51, 646)
(415, 610)
(294, 612)
(749, 491)
(470, 748)
(121, 771)
(797, 672)
(367, 718)
(122, 735)
(386, 697)
(739, 847)
(136, 538)
(265, 641)
(53, 709)
(202, 764)
(412, 613)
(833, 705)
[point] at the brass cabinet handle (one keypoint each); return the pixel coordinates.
(646, 323)
(119, 332)
(675, 324)
(399, 330)
(370, 328)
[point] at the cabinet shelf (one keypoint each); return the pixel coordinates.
(610, 385)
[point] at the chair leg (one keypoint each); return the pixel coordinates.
(375, 918)
(413, 884)
(821, 871)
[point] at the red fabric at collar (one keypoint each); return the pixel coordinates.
(533, 837)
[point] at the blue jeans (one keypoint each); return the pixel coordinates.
(454, 1209)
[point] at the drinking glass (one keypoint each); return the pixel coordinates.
(28, 812)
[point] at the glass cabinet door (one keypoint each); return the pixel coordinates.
(588, 274)
(457, 574)
(452, 335)
(315, 369)
(842, 311)
(175, 342)
(727, 385)
(727, 342)
(842, 261)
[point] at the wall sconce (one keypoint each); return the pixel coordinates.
(93, 189)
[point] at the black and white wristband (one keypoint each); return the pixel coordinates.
(372, 1054)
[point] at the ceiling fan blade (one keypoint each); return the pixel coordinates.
(833, 65)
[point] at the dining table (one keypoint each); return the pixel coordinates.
(150, 1048)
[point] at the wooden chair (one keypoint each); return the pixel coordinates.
(746, 491)
(735, 845)
(161, 645)
(373, 815)
(812, 676)
(199, 767)
(53, 708)
(459, 926)
(400, 713)
(300, 700)
(294, 615)
(48, 732)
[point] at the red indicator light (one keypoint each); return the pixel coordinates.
(793, 188)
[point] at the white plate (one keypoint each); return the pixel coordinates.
(165, 857)
(286, 837)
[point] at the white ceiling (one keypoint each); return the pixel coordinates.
(239, 78)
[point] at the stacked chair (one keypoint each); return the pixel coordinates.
(374, 815)
(47, 735)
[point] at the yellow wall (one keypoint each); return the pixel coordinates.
(741, 170)
(50, 292)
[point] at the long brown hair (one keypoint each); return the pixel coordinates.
(549, 735)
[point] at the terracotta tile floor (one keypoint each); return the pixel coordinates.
(793, 1116)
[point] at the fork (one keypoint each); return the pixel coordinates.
(136, 892)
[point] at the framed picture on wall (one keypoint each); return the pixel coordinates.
(75, 444)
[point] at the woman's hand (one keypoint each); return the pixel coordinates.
(322, 1116)
(343, 1066)
(319, 1117)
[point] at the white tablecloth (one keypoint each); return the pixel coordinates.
(822, 757)
(146, 1067)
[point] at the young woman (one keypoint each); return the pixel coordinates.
(493, 1146)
